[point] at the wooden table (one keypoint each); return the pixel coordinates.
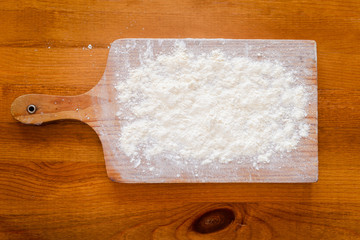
(53, 183)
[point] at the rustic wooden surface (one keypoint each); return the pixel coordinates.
(53, 183)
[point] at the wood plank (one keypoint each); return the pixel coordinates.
(62, 66)
(179, 221)
(330, 102)
(80, 168)
(67, 21)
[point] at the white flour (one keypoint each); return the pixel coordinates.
(210, 108)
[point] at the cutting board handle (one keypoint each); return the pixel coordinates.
(39, 108)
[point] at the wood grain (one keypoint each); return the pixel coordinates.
(53, 182)
(146, 221)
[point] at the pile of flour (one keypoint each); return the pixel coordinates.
(210, 108)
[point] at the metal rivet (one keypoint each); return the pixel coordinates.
(31, 108)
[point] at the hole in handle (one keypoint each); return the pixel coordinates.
(31, 108)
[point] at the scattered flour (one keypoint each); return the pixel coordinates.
(210, 108)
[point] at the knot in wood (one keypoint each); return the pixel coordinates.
(214, 221)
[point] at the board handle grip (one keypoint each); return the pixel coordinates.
(39, 108)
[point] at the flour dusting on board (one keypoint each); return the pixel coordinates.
(209, 108)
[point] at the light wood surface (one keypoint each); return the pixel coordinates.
(98, 108)
(53, 181)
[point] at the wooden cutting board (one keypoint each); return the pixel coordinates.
(98, 106)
